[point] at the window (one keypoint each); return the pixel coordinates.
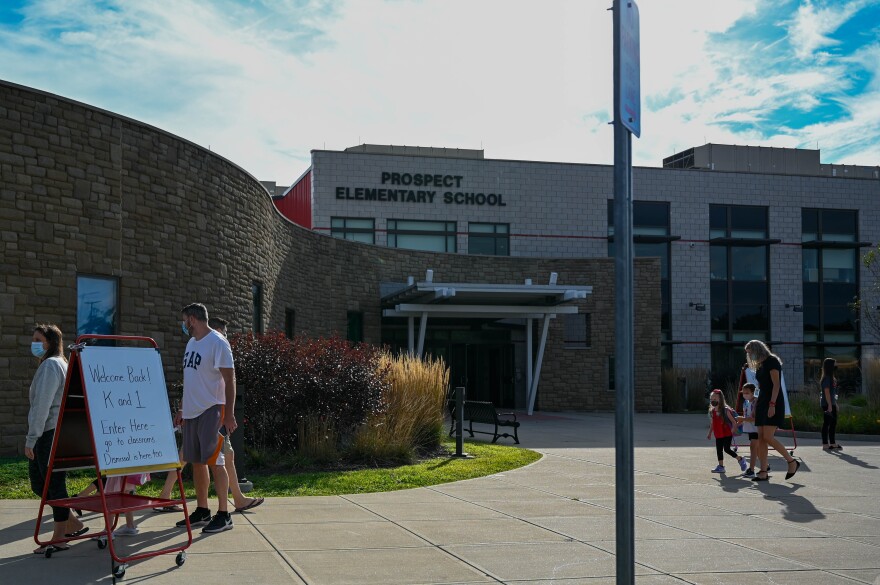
(577, 331)
(651, 237)
(491, 239)
(739, 288)
(97, 298)
(257, 293)
(429, 236)
(355, 327)
(830, 263)
(289, 323)
(354, 228)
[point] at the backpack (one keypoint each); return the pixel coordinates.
(735, 429)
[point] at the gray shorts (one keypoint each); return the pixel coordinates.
(202, 441)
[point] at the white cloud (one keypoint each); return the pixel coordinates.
(811, 25)
(265, 82)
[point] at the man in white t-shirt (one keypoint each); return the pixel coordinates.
(208, 404)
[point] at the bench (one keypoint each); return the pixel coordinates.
(485, 413)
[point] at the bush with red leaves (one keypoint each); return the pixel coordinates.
(285, 381)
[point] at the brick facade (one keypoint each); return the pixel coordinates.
(87, 192)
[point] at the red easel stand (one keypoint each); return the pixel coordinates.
(76, 404)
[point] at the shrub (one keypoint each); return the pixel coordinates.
(871, 378)
(853, 417)
(306, 393)
(411, 418)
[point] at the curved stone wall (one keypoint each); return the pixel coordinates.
(88, 192)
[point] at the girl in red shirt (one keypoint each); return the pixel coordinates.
(721, 418)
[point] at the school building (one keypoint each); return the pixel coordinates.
(753, 243)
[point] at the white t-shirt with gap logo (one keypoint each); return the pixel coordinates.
(203, 385)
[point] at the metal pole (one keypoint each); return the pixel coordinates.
(459, 421)
(623, 332)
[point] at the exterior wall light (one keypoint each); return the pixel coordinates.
(795, 308)
(698, 306)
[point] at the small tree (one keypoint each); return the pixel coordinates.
(865, 302)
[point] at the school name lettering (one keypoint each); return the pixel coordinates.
(388, 195)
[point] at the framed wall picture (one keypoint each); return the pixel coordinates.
(97, 300)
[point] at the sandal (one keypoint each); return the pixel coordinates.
(50, 547)
(758, 476)
(164, 509)
(797, 465)
(253, 504)
(827, 447)
(76, 533)
(837, 446)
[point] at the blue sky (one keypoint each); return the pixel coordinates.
(263, 82)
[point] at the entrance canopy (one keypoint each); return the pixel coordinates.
(484, 301)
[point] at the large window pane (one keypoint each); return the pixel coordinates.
(718, 291)
(839, 265)
(651, 213)
(357, 229)
(838, 225)
(749, 318)
(429, 236)
(839, 319)
(837, 293)
(720, 317)
(749, 293)
(748, 263)
(811, 318)
(489, 238)
(748, 222)
(809, 225)
(810, 262)
(718, 262)
(718, 218)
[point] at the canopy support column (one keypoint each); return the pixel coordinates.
(541, 346)
(529, 327)
(423, 324)
(411, 334)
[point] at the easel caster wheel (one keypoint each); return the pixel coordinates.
(48, 553)
(102, 543)
(181, 558)
(791, 453)
(119, 571)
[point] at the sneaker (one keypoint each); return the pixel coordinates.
(125, 531)
(220, 522)
(199, 516)
(719, 469)
(749, 472)
(742, 464)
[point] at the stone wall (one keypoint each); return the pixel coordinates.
(87, 192)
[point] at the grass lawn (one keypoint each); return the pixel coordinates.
(488, 459)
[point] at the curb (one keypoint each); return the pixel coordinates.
(818, 435)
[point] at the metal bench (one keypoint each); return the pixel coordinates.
(485, 413)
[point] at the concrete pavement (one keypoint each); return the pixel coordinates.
(551, 522)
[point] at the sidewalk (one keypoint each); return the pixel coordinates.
(551, 522)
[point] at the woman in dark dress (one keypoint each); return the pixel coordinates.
(770, 407)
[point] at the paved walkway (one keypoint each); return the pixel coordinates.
(551, 522)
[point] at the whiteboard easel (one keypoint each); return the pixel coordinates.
(115, 419)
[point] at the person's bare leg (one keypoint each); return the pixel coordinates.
(202, 482)
(221, 486)
(772, 441)
(170, 482)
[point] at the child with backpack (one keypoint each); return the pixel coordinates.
(748, 426)
(722, 423)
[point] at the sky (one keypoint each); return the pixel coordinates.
(264, 82)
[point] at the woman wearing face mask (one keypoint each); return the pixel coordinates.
(770, 406)
(46, 392)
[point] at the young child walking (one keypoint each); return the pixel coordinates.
(748, 426)
(721, 418)
(127, 484)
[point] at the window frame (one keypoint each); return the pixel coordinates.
(345, 230)
(449, 234)
(494, 235)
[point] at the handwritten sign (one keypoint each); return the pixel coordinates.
(128, 406)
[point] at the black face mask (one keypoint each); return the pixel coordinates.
(714, 404)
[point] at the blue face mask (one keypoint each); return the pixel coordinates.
(37, 349)
(183, 328)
